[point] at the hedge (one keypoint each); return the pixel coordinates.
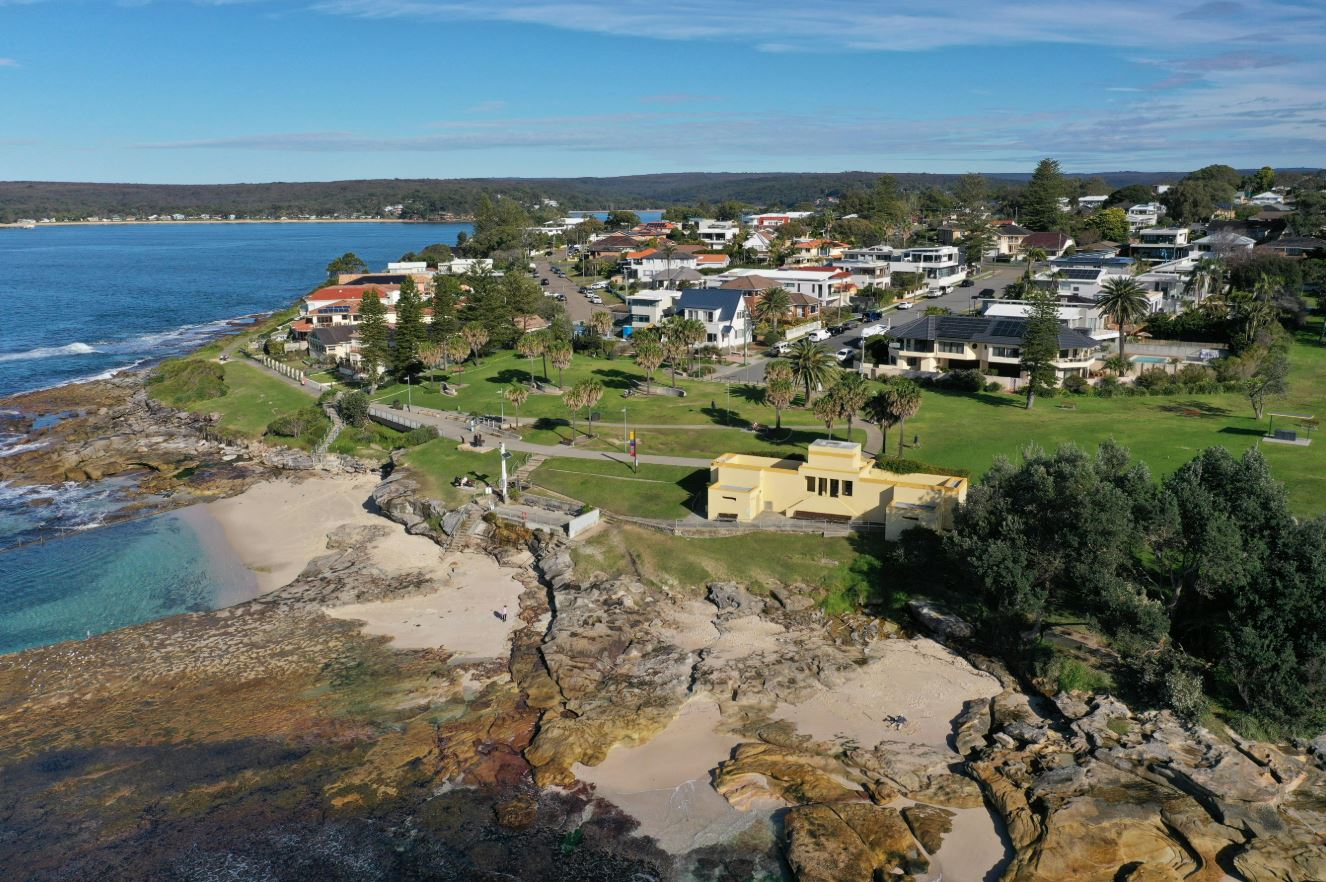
(903, 466)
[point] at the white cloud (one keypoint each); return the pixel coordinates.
(8, 62)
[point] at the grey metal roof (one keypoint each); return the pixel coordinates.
(331, 336)
(999, 331)
(724, 302)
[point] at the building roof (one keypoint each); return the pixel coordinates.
(712, 258)
(999, 331)
(724, 302)
(1011, 230)
(1082, 274)
(349, 292)
(679, 274)
(393, 279)
(1048, 241)
(1295, 243)
(753, 282)
(334, 335)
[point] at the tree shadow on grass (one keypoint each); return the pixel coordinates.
(1237, 430)
(1194, 408)
(723, 416)
(507, 376)
(994, 399)
(750, 392)
(614, 378)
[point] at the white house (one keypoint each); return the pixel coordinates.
(726, 319)
(407, 267)
(773, 219)
(1082, 276)
(716, 233)
(760, 242)
(1268, 197)
(1091, 203)
(650, 307)
(830, 285)
(1146, 214)
(462, 265)
(646, 263)
(1161, 244)
(1223, 244)
(1084, 317)
(940, 265)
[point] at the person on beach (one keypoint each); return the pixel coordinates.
(503, 613)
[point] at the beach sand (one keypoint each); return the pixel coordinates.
(664, 783)
(277, 527)
(459, 616)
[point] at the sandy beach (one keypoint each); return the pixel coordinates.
(277, 527)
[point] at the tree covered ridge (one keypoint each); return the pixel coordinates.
(1202, 582)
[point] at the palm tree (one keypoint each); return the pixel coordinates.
(431, 355)
(904, 400)
(601, 322)
(516, 393)
(560, 354)
(773, 306)
(1124, 301)
(593, 395)
(457, 348)
(574, 399)
(1034, 256)
(879, 410)
(669, 249)
(827, 410)
(851, 391)
(476, 336)
(674, 351)
(778, 394)
(691, 331)
(528, 346)
(649, 356)
(811, 366)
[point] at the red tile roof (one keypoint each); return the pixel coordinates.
(350, 292)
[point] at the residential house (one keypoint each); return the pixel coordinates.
(712, 261)
(1008, 239)
(773, 219)
(1146, 214)
(759, 243)
(334, 344)
(948, 234)
(726, 319)
(464, 265)
(646, 308)
(1169, 284)
(748, 282)
(1294, 246)
(942, 343)
(612, 245)
(1268, 197)
(836, 482)
(830, 285)
(658, 229)
(800, 307)
(1223, 244)
(1082, 276)
(716, 233)
(678, 277)
(1161, 244)
(646, 263)
(941, 266)
(1091, 203)
(1081, 315)
(815, 251)
(1053, 244)
(329, 294)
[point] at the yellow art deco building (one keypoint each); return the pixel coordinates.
(837, 482)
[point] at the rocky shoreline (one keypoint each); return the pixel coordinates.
(273, 740)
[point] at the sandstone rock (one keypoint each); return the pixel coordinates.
(516, 813)
(733, 599)
(451, 522)
(759, 771)
(791, 600)
(929, 825)
(971, 727)
(1071, 706)
(855, 842)
(945, 626)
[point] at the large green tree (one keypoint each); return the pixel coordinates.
(1040, 345)
(1124, 301)
(410, 332)
(374, 336)
(1040, 201)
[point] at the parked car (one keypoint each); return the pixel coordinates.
(820, 335)
(594, 298)
(905, 304)
(966, 283)
(986, 292)
(851, 325)
(781, 347)
(543, 282)
(844, 355)
(561, 297)
(835, 330)
(598, 286)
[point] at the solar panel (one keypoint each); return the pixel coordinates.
(1007, 328)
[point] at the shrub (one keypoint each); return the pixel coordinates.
(1071, 675)
(275, 348)
(185, 381)
(1154, 378)
(1076, 385)
(308, 423)
(993, 386)
(965, 380)
(901, 466)
(353, 408)
(327, 396)
(415, 437)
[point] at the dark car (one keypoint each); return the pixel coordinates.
(851, 326)
(966, 283)
(583, 290)
(543, 282)
(986, 292)
(837, 329)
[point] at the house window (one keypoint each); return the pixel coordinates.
(956, 348)
(824, 486)
(810, 484)
(847, 488)
(833, 487)
(711, 338)
(1006, 351)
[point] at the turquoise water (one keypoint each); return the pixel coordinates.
(96, 580)
(1150, 359)
(87, 300)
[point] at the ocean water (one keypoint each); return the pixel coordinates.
(86, 301)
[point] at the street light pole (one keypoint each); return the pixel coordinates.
(623, 428)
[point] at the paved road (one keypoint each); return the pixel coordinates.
(577, 307)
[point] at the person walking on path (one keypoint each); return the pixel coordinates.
(504, 613)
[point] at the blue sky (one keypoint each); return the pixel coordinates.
(205, 91)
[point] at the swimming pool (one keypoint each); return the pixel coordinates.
(1149, 359)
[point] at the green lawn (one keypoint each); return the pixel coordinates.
(253, 399)
(969, 431)
(755, 559)
(655, 491)
(435, 463)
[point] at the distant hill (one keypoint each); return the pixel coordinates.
(430, 198)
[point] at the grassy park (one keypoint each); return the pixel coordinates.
(655, 491)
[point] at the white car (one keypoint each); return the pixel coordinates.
(905, 305)
(598, 285)
(844, 355)
(593, 298)
(820, 336)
